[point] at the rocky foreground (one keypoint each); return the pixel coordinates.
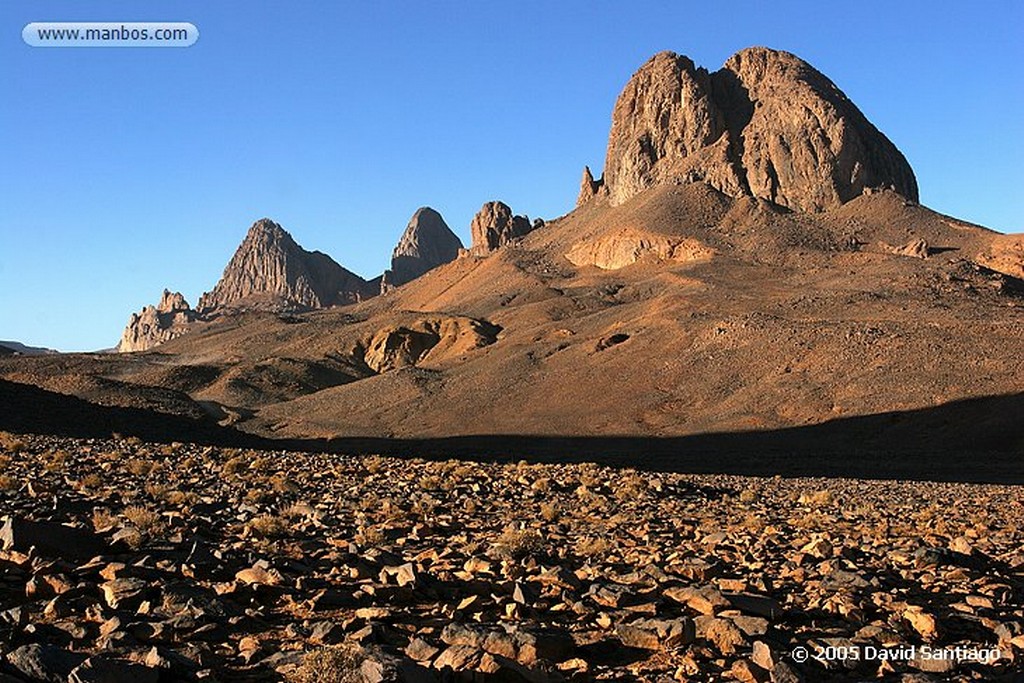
(130, 561)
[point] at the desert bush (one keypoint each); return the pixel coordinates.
(56, 461)
(103, 519)
(140, 468)
(748, 496)
(370, 536)
(156, 490)
(517, 544)
(148, 522)
(337, 664)
(11, 443)
(234, 466)
(593, 547)
(7, 483)
(374, 463)
(268, 526)
(549, 512)
(90, 482)
(177, 497)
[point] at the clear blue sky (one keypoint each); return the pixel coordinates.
(125, 171)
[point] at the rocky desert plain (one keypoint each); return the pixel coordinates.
(749, 412)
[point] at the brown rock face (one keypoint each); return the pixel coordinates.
(494, 225)
(767, 124)
(427, 243)
(271, 271)
(588, 186)
(155, 325)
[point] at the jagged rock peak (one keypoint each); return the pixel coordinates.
(270, 271)
(589, 187)
(767, 124)
(494, 225)
(427, 243)
(154, 325)
(172, 301)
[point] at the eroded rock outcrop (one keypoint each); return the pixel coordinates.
(427, 243)
(271, 271)
(494, 225)
(589, 188)
(627, 246)
(767, 124)
(155, 325)
(429, 339)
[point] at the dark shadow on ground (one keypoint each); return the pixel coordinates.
(973, 440)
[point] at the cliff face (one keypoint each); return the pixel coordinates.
(270, 270)
(767, 124)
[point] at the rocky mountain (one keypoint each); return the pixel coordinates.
(767, 125)
(427, 243)
(494, 225)
(154, 325)
(271, 271)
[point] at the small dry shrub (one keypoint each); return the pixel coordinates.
(148, 522)
(374, 463)
(56, 461)
(7, 483)
(748, 496)
(593, 547)
(549, 512)
(140, 468)
(337, 664)
(177, 497)
(234, 466)
(268, 526)
(430, 482)
(258, 496)
(282, 484)
(370, 536)
(103, 519)
(517, 544)
(92, 481)
(11, 443)
(156, 490)
(631, 488)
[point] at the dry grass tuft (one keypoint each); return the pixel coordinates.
(518, 544)
(337, 664)
(269, 526)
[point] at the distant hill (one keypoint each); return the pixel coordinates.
(13, 347)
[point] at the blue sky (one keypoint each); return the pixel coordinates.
(125, 171)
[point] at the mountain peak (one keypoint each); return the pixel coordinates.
(270, 270)
(767, 124)
(427, 243)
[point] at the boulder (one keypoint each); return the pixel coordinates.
(494, 226)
